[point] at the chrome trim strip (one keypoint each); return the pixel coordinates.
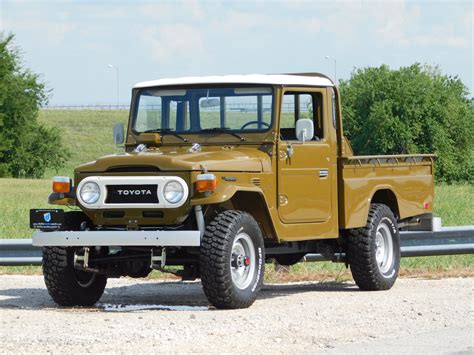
(188, 238)
(323, 173)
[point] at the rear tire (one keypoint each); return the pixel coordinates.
(373, 252)
(232, 260)
(66, 285)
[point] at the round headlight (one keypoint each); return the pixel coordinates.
(173, 192)
(90, 192)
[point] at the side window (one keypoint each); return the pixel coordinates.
(306, 106)
(298, 105)
(288, 112)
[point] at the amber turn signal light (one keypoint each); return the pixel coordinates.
(206, 182)
(61, 184)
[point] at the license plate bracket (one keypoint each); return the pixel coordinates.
(47, 219)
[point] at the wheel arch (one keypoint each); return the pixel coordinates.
(387, 197)
(254, 203)
(250, 199)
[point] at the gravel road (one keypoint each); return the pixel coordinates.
(151, 316)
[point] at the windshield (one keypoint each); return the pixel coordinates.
(204, 110)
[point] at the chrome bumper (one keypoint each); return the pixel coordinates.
(117, 238)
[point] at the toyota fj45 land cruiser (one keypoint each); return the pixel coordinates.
(220, 174)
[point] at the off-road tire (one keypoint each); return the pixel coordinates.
(362, 250)
(217, 244)
(67, 286)
(289, 259)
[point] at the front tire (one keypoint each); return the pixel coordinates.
(232, 260)
(66, 285)
(373, 252)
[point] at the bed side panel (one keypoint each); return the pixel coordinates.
(411, 182)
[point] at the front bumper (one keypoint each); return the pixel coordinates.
(117, 238)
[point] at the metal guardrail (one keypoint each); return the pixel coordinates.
(447, 241)
(121, 107)
(242, 107)
(19, 252)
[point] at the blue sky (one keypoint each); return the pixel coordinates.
(70, 43)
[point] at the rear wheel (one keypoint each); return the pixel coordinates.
(67, 285)
(373, 252)
(232, 260)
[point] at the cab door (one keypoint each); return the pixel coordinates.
(304, 169)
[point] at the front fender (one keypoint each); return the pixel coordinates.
(63, 199)
(223, 193)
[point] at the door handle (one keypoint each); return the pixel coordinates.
(323, 173)
(289, 150)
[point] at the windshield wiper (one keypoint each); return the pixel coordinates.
(223, 130)
(165, 131)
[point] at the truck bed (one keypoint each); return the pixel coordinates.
(405, 182)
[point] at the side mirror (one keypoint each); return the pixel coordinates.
(304, 129)
(119, 136)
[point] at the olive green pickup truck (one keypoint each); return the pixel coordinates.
(220, 174)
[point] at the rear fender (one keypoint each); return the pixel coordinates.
(381, 194)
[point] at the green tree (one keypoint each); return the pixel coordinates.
(26, 147)
(414, 109)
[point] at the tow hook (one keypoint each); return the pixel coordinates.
(81, 262)
(82, 258)
(161, 258)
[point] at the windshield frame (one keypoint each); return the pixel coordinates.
(202, 133)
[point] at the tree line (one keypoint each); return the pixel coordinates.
(414, 109)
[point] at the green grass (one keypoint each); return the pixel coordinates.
(88, 134)
(454, 203)
(17, 197)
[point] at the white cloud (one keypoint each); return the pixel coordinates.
(169, 11)
(167, 43)
(172, 38)
(405, 26)
(53, 34)
(238, 21)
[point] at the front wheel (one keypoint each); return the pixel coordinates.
(67, 285)
(373, 252)
(232, 260)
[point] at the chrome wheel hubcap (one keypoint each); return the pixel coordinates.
(242, 261)
(384, 246)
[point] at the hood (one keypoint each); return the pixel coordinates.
(180, 159)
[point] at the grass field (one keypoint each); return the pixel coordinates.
(86, 133)
(89, 135)
(452, 203)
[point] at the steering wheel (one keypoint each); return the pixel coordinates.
(255, 122)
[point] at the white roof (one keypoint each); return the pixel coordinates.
(269, 79)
